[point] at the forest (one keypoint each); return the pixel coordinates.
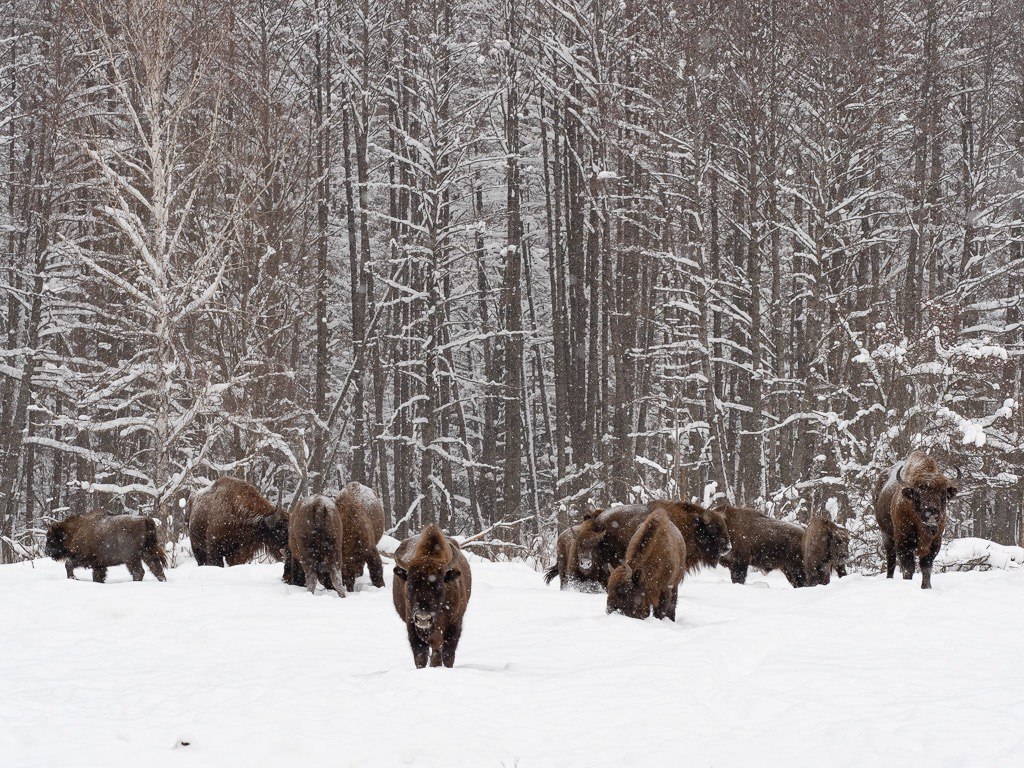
(508, 260)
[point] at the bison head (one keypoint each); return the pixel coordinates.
(275, 527)
(589, 539)
(929, 495)
(424, 585)
(712, 533)
(626, 593)
(55, 547)
(838, 545)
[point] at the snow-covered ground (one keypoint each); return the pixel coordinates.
(250, 672)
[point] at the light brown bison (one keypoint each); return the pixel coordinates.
(566, 566)
(315, 542)
(911, 511)
(826, 549)
(98, 541)
(362, 526)
(648, 579)
(760, 541)
(231, 522)
(431, 592)
(603, 536)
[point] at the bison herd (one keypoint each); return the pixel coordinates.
(639, 554)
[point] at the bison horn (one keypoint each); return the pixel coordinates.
(899, 473)
(959, 474)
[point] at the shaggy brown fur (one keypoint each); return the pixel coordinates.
(826, 549)
(431, 592)
(231, 521)
(764, 543)
(911, 511)
(648, 579)
(98, 541)
(315, 543)
(603, 536)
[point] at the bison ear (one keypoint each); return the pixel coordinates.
(452, 574)
(951, 491)
(909, 493)
(401, 573)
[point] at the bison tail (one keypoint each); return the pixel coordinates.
(151, 542)
(550, 574)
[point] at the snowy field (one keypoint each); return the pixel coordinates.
(249, 672)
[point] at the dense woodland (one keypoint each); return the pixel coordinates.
(504, 260)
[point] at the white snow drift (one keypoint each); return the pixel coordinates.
(233, 668)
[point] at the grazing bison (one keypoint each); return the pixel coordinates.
(231, 521)
(431, 591)
(911, 511)
(98, 541)
(826, 549)
(603, 536)
(362, 526)
(315, 543)
(648, 579)
(764, 543)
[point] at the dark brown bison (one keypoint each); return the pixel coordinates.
(566, 566)
(231, 522)
(431, 592)
(760, 541)
(603, 536)
(648, 579)
(362, 526)
(316, 541)
(911, 511)
(98, 541)
(826, 549)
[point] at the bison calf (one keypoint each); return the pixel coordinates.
(911, 512)
(315, 543)
(98, 541)
(431, 592)
(759, 541)
(826, 549)
(648, 579)
(231, 522)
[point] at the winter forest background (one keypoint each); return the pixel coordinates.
(503, 260)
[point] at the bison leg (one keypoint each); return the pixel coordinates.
(890, 555)
(99, 575)
(69, 568)
(738, 572)
(135, 569)
(337, 582)
(310, 577)
(926, 568)
(795, 576)
(199, 551)
(451, 642)
(420, 650)
(666, 607)
(840, 571)
(906, 559)
(155, 566)
(376, 568)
